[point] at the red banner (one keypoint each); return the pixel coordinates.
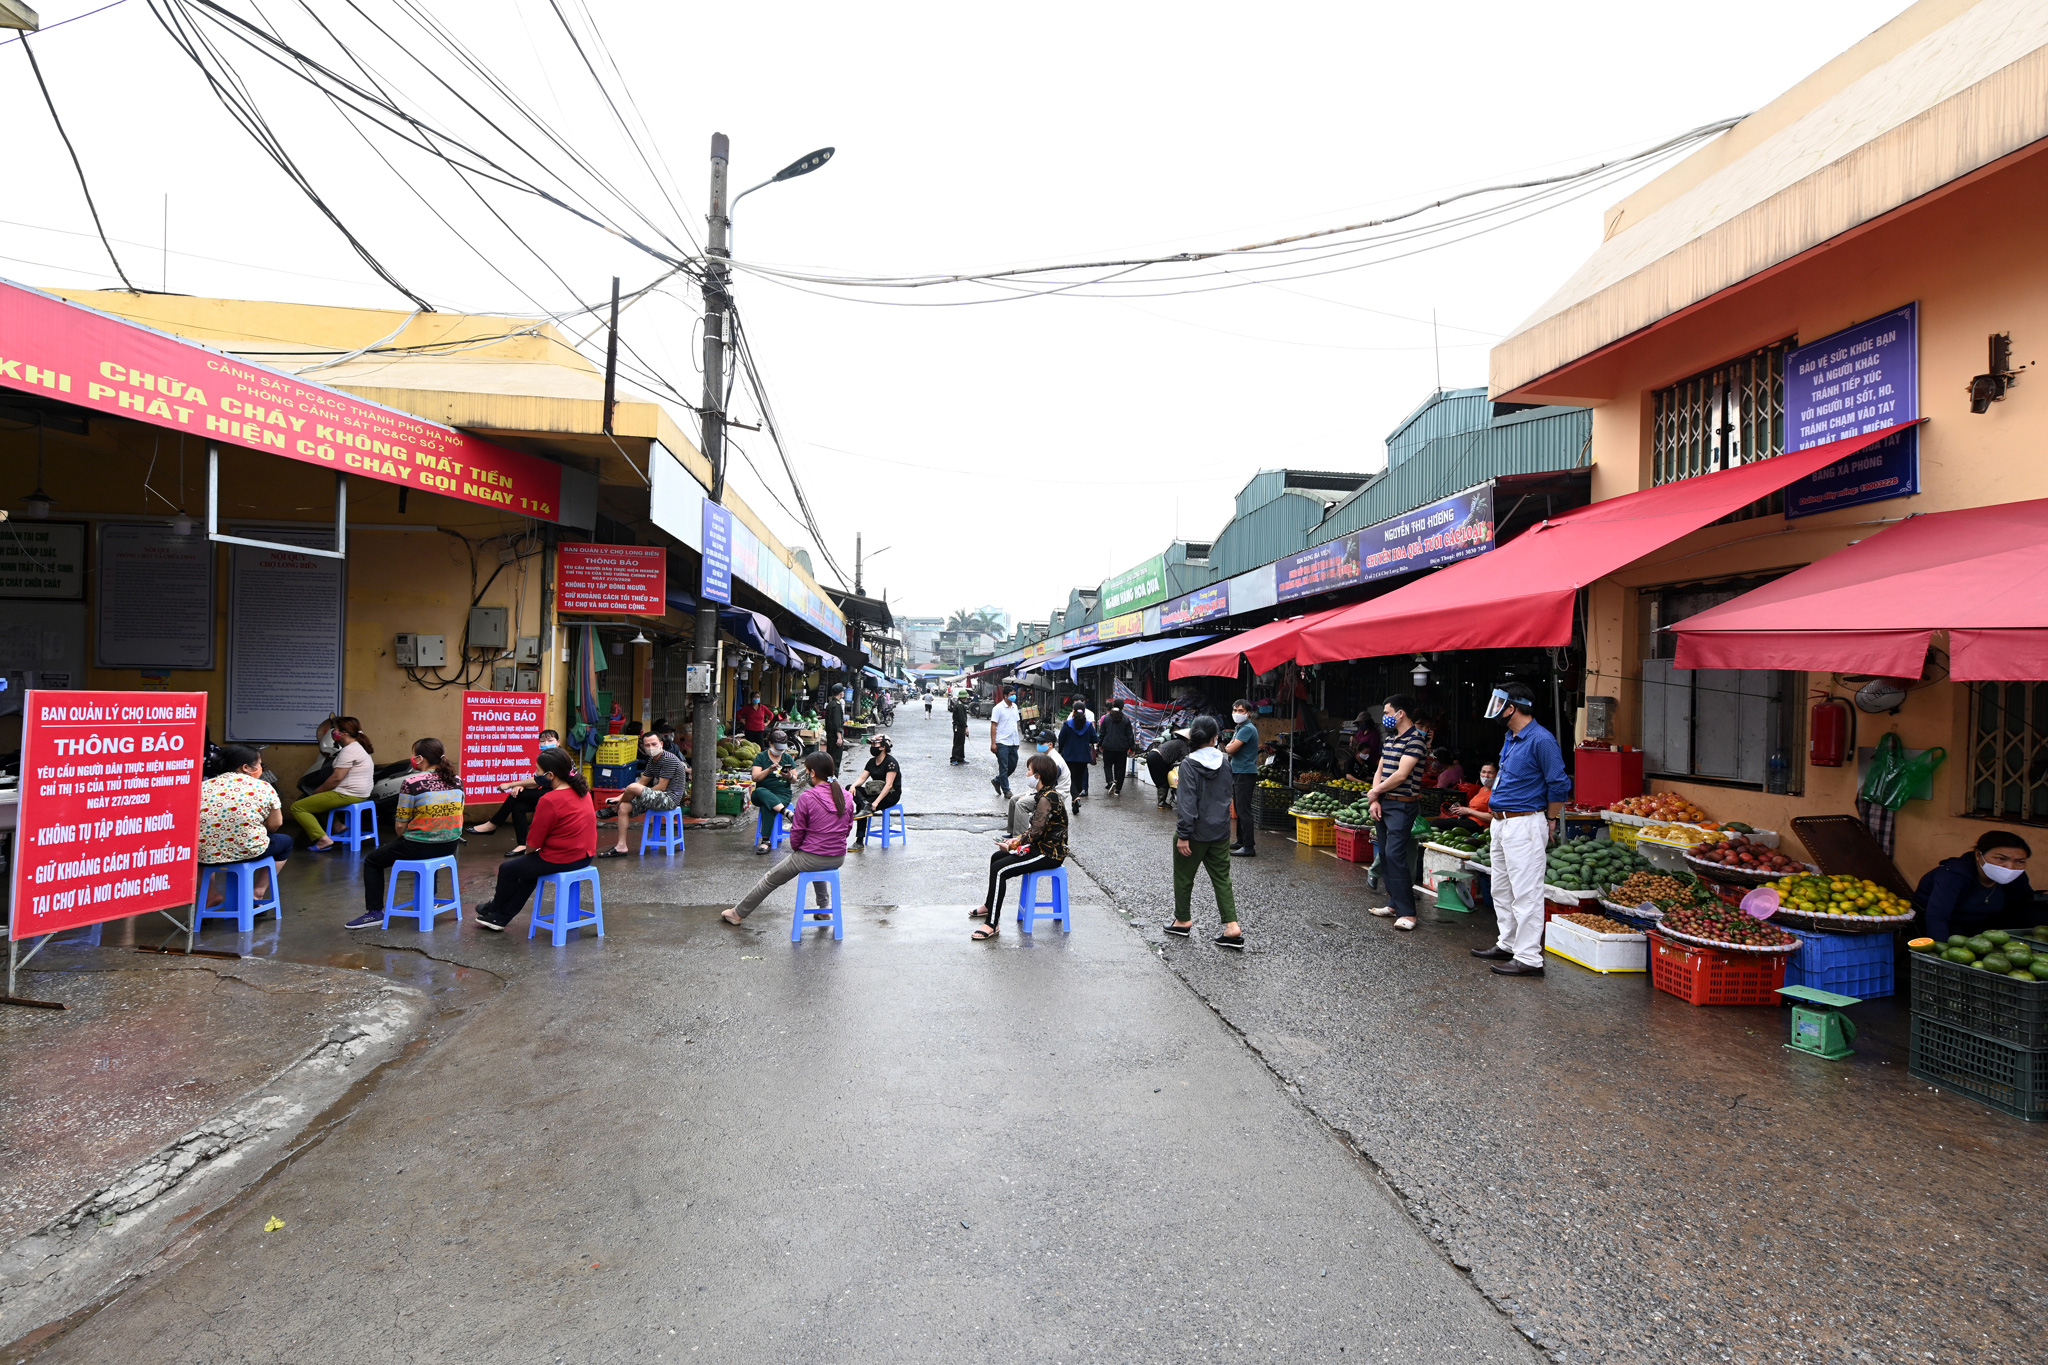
(613, 580)
(500, 738)
(109, 820)
(108, 364)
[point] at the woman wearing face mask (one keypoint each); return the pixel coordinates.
(520, 799)
(348, 784)
(774, 776)
(1243, 750)
(426, 824)
(817, 824)
(1040, 848)
(1200, 834)
(564, 838)
(1077, 747)
(881, 786)
(1986, 888)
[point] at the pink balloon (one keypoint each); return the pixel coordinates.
(1761, 903)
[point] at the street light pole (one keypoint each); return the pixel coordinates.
(704, 721)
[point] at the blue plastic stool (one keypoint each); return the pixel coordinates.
(668, 839)
(898, 830)
(426, 906)
(239, 904)
(797, 922)
(1030, 908)
(569, 913)
(355, 815)
(775, 837)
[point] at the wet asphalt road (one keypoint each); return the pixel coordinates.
(693, 1142)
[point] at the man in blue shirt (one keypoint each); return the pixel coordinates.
(1530, 788)
(1243, 749)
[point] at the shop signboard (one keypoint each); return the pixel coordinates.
(715, 550)
(1199, 605)
(108, 822)
(1860, 379)
(94, 360)
(612, 580)
(1134, 589)
(1446, 530)
(1251, 590)
(1078, 636)
(500, 739)
(1129, 626)
(1319, 568)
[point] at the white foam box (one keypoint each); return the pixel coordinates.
(1596, 952)
(1435, 864)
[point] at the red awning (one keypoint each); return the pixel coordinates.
(1980, 573)
(1521, 594)
(1264, 647)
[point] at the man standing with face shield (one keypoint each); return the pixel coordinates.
(1528, 790)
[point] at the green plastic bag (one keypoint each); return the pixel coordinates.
(1882, 775)
(1918, 772)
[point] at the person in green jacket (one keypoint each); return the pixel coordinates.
(774, 774)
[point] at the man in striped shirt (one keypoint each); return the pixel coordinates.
(1396, 796)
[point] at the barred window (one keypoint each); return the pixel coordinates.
(1721, 418)
(2009, 751)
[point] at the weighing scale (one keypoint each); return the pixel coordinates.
(1818, 1025)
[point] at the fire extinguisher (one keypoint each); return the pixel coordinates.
(1828, 732)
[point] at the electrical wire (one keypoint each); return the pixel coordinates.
(76, 165)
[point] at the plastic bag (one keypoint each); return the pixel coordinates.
(1882, 778)
(1918, 772)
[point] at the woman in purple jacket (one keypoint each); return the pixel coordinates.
(817, 824)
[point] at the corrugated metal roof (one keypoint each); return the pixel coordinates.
(1541, 440)
(1263, 535)
(1446, 412)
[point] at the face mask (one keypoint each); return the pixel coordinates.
(2003, 875)
(1240, 716)
(327, 744)
(1389, 723)
(547, 744)
(1044, 747)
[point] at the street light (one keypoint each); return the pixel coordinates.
(801, 166)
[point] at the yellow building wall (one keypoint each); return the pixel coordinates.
(1976, 260)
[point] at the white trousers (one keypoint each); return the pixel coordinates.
(1519, 848)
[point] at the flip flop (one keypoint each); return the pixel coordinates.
(985, 933)
(616, 853)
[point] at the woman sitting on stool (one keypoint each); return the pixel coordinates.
(239, 819)
(816, 825)
(563, 838)
(774, 772)
(427, 824)
(520, 799)
(1042, 846)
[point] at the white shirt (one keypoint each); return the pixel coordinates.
(1008, 728)
(354, 765)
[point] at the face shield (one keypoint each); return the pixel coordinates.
(1496, 704)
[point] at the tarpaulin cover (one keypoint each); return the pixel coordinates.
(1979, 573)
(1264, 646)
(1521, 594)
(1143, 648)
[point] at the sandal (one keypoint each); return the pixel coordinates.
(1405, 922)
(1380, 910)
(986, 932)
(616, 853)
(977, 914)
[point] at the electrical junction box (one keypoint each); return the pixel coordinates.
(528, 651)
(502, 677)
(487, 627)
(422, 651)
(698, 682)
(528, 680)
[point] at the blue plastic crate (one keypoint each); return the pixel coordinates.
(615, 776)
(1847, 964)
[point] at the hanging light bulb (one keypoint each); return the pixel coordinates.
(181, 524)
(1420, 674)
(640, 638)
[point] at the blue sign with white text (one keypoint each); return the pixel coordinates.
(716, 582)
(1889, 469)
(1861, 379)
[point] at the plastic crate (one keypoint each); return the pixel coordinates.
(2012, 1080)
(1847, 964)
(1596, 952)
(1316, 831)
(615, 776)
(1709, 976)
(732, 802)
(618, 748)
(1354, 845)
(1995, 1006)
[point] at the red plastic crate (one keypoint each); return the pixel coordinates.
(1354, 845)
(1709, 976)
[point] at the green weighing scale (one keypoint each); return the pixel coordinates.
(1818, 1024)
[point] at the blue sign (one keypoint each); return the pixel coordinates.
(1889, 469)
(1861, 379)
(1447, 530)
(1199, 605)
(716, 582)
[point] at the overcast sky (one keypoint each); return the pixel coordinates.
(1003, 453)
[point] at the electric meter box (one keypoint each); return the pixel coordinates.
(502, 677)
(421, 651)
(487, 627)
(698, 683)
(528, 651)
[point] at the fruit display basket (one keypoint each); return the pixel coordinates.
(2010, 1079)
(1742, 876)
(1722, 946)
(1644, 911)
(1847, 964)
(1596, 952)
(1995, 1006)
(1315, 831)
(1708, 976)
(1792, 891)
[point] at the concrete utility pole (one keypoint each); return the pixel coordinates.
(704, 721)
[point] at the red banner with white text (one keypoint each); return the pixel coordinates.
(95, 360)
(500, 739)
(108, 824)
(613, 580)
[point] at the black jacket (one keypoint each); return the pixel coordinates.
(961, 710)
(1203, 802)
(1953, 901)
(1114, 730)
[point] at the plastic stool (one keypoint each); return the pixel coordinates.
(899, 830)
(1030, 908)
(239, 904)
(797, 922)
(568, 887)
(426, 906)
(662, 831)
(354, 815)
(775, 837)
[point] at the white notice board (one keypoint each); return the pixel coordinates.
(285, 636)
(154, 597)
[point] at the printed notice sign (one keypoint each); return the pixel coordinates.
(614, 580)
(1861, 379)
(716, 583)
(500, 739)
(109, 816)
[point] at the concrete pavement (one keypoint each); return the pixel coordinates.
(690, 1141)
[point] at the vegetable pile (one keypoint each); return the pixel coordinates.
(1317, 803)
(1661, 890)
(1465, 841)
(1588, 864)
(1993, 951)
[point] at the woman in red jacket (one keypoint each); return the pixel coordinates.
(562, 838)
